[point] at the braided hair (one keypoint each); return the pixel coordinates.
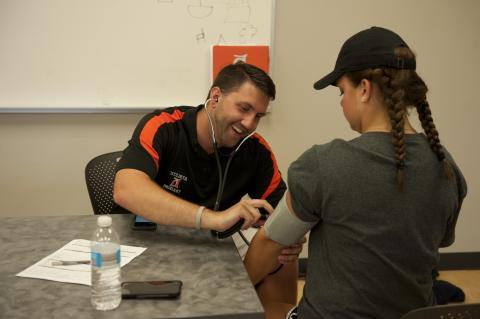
(402, 89)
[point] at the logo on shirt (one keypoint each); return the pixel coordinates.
(175, 184)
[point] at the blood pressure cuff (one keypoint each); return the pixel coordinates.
(284, 227)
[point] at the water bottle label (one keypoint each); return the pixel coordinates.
(96, 259)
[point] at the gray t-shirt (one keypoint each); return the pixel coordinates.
(372, 252)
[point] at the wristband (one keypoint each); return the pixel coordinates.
(198, 217)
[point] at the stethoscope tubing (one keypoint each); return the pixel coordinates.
(222, 175)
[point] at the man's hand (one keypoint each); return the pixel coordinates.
(291, 253)
(246, 209)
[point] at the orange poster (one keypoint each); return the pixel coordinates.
(223, 55)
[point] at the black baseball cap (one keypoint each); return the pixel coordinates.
(369, 48)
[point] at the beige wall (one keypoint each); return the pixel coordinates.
(42, 156)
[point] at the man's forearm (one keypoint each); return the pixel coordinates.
(135, 191)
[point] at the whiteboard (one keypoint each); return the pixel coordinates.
(114, 55)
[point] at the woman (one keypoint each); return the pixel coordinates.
(378, 206)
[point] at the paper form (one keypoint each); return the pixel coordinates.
(77, 249)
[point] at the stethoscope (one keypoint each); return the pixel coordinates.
(222, 177)
(221, 184)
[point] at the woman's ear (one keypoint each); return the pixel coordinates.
(366, 90)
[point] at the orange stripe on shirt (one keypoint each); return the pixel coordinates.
(150, 129)
(276, 178)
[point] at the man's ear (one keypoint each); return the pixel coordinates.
(366, 90)
(215, 93)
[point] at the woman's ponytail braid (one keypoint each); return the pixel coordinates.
(394, 94)
(425, 116)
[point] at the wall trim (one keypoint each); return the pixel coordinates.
(448, 261)
(459, 261)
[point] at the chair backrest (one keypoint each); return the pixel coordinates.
(451, 311)
(99, 176)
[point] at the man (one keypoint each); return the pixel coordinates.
(184, 161)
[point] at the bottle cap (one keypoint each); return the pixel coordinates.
(104, 221)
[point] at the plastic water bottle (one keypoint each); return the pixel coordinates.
(106, 281)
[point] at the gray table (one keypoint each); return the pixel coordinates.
(214, 280)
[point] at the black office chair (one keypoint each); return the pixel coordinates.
(100, 175)
(450, 311)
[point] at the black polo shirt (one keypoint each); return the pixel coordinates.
(164, 146)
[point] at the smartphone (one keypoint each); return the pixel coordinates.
(140, 223)
(151, 289)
